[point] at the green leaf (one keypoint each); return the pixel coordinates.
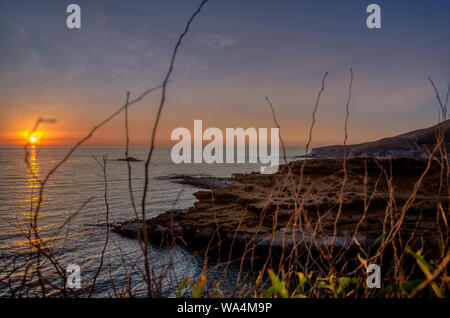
(427, 270)
(409, 286)
(378, 240)
(180, 288)
(280, 287)
(343, 282)
(198, 289)
(269, 292)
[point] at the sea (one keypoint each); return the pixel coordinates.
(72, 220)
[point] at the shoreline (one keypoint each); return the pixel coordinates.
(260, 209)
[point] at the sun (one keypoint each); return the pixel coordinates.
(35, 137)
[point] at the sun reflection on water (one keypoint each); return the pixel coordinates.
(33, 180)
(34, 217)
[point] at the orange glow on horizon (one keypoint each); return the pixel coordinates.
(34, 138)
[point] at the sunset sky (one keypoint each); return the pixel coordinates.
(237, 52)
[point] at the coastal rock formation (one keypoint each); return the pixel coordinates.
(415, 144)
(301, 205)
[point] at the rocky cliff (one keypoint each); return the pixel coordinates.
(415, 144)
(264, 209)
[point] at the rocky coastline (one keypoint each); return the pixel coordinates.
(260, 209)
(299, 205)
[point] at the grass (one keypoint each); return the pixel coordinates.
(300, 272)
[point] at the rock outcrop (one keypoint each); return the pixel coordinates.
(264, 208)
(415, 144)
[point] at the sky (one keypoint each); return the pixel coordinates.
(236, 53)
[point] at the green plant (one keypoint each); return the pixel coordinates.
(431, 271)
(197, 287)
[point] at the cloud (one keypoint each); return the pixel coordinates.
(213, 41)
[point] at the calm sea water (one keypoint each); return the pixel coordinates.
(80, 179)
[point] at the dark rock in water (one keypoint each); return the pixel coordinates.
(414, 144)
(202, 182)
(128, 159)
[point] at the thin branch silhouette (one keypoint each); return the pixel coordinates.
(155, 127)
